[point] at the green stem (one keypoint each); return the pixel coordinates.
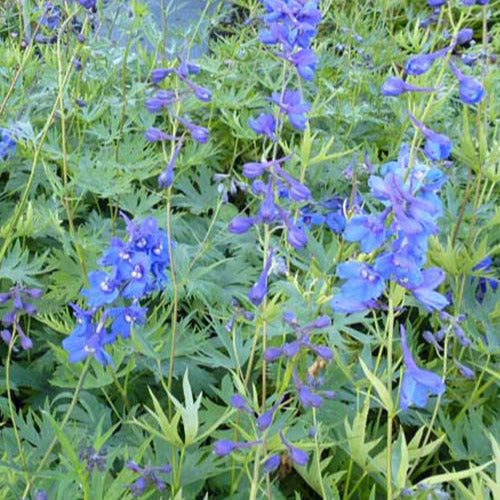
(11, 404)
(318, 452)
(390, 334)
(69, 411)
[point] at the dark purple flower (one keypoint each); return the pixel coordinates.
(166, 178)
(264, 421)
(159, 74)
(305, 61)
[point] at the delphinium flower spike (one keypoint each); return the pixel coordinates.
(21, 298)
(417, 383)
(470, 90)
(258, 291)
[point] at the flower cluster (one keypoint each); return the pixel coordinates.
(269, 212)
(163, 99)
(20, 298)
(93, 459)
(136, 269)
(148, 475)
(224, 447)
(7, 144)
(402, 228)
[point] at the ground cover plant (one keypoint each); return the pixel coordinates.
(270, 271)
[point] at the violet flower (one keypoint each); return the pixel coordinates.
(470, 90)
(417, 383)
(437, 146)
(394, 86)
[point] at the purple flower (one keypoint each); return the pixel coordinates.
(268, 210)
(159, 74)
(437, 146)
(162, 99)
(258, 291)
(465, 371)
(241, 225)
(417, 383)
(224, 447)
(198, 133)
(264, 421)
(238, 402)
(471, 91)
(148, 475)
(298, 457)
(156, 135)
(7, 144)
(396, 86)
(272, 463)
(419, 64)
(264, 124)
(305, 62)
(293, 106)
(166, 178)
(464, 35)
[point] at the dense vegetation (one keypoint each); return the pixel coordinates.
(267, 272)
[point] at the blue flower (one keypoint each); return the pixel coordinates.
(417, 383)
(264, 124)
(362, 287)
(103, 289)
(89, 341)
(258, 291)
(471, 91)
(396, 86)
(7, 144)
(421, 63)
(272, 463)
(369, 230)
(293, 106)
(437, 146)
(139, 279)
(124, 318)
(298, 457)
(305, 62)
(154, 134)
(425, 293)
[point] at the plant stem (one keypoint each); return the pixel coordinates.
(390, 333)
(11, 404)
(69, 411)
